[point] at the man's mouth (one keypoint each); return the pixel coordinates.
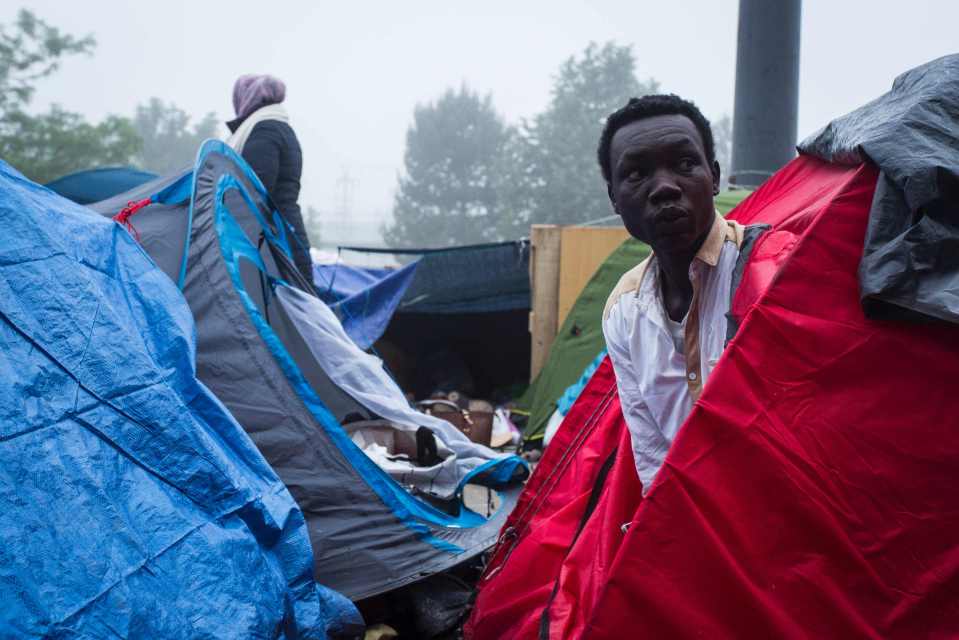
(672, 221)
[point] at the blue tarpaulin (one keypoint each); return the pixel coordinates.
(363, 299)
(132, 504)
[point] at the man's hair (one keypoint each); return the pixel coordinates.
(648, 107)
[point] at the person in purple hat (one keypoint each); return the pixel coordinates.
(262, 134)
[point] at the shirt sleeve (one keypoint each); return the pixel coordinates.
(648, 447)
(262, 152)
(617, 344)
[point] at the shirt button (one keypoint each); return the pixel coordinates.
(692, 376)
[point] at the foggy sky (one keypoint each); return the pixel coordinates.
(354, 71)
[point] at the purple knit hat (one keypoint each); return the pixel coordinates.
(250, 92)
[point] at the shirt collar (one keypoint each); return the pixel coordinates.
(713, 244)
(721, 231)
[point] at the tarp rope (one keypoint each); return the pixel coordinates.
(127, 212)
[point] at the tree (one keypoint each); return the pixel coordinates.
(557, 178)
(46, 146)
(56, 143)
(723, 141)
(446, 195)
(470, 177)
(169, 143)
(29, 52)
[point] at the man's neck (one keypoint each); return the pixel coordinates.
(676, 288)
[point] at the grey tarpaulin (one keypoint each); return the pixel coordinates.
(910, 263)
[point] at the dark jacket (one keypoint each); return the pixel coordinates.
(273, 152)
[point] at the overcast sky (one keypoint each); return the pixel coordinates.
(355, 70)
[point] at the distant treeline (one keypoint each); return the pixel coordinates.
(472, 177)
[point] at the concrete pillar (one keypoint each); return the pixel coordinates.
(767, 89)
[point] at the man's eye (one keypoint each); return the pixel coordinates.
(687, 163)
(636, 174)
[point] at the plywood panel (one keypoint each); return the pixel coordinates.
(584, 249)
(544, 263)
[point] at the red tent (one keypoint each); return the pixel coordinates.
(812, 492)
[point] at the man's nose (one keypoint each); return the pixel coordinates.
(664, 188)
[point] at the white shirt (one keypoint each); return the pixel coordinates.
(658, 383)
(677, 331)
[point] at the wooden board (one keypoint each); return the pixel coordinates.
(544, 280)
(562, 261)
(583, 250)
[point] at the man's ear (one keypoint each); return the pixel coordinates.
(716, 175)
(612, 198)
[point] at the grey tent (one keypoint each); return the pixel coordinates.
(261, 350)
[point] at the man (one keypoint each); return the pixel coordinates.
(665, 322)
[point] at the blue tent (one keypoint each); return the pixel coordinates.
(311, 400)
(131, 502)
(93, 185)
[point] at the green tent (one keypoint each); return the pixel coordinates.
(580, 339)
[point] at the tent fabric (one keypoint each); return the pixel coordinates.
(463, 322)
(132, 503)
(369, 534)
(340, 280)
(524, 565)
(482, 278)
(162, 228)
(580, 338)
(566, 401)
(808, 494)
(363, 299)
(94, 185)
(362, 376)
(910, 266)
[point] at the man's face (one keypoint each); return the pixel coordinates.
(662, 185)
